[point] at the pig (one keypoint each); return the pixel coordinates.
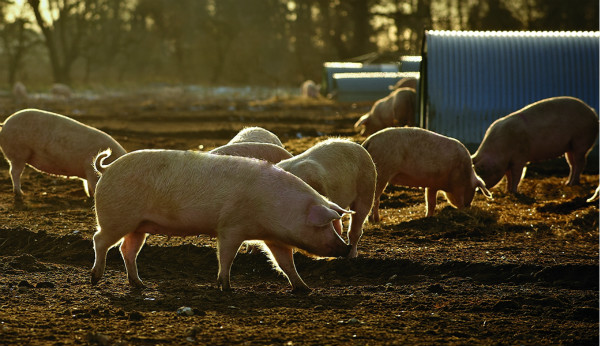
(406, 82)
(310, 90)
(235, 199)
(542, 130)
(257, 135)
(396, 109)
(59, 90)
(415, 157)
(19, 93)
(342, 171)
(263, 151)
(54, 144)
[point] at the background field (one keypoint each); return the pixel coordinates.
(512, 270)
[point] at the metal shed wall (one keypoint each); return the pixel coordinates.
(366, 86)
(470, 79)
(331, 68)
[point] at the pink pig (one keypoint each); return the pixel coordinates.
(396, 109)
(543, 130)
(412, 156)
(54, 144)
(342, 171)
(256, 134)
(262, 151)
(235, 199)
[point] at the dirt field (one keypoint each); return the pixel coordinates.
(514, 270)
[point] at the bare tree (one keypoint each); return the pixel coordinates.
(63, 34)
(17, 39)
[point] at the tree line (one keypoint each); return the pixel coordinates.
(249, 42)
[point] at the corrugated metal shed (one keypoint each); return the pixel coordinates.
(470, 79)
(331, 68)
(365, 86)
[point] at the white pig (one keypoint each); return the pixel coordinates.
(342, 171)
(19, 93)
(256, 135)
(415, 157)
(235, 199)
(310, 90)
(543, 130)
(54, 144)
(396, 109)
(59, 90)
(263, 151)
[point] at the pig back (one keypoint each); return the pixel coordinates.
(197, 189)
(416, 157)
(58, 144)
(263, 151)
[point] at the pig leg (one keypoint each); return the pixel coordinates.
(576, 161)
(16, 169)
(430, 200)
(284, 258)
(89, 184)
(131, 246)
(103, 241)
(513, 176)
(356, 229)
(381, 185)
(227, 249)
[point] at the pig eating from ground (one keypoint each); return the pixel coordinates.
(263, 151)
(543, 130)
(396, 109)
(416, 157)
(54, 144)
(310, 90)
(342, 171)
(235, 199)
(256, 135)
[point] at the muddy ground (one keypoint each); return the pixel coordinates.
(508, 271)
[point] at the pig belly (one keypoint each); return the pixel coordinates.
(54, 165)
(546, 149)
(415, 180)
(152, 227)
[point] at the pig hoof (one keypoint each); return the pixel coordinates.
(136, 283)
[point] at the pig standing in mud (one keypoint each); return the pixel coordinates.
(235, 199)
(396, 109)
(416, 157)
(310, 90)
(543, 130)
(342, 171)
(256, 135)
(263, 151)
(54, 144)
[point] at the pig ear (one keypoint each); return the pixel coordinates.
(320, 215)
(362, 120)
(481, 186)
(339, 209)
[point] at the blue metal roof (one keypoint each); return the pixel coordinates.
(331, 68)
(366, 86)
(469, 79)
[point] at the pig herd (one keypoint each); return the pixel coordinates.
(253, 190)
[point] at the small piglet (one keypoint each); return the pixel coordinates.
(416, 157)
(235, 199)
(54, 144)
(396, 109)
(256, 135)
(543, 130)
(263, 151)
(342, 171)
